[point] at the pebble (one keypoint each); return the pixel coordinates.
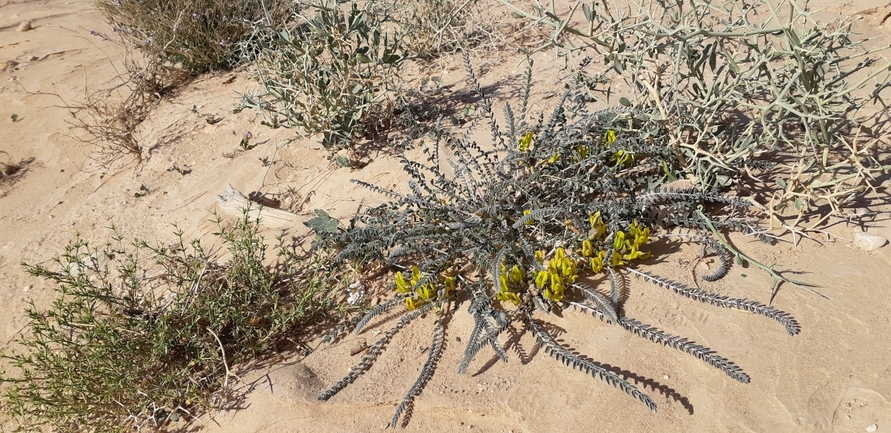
(360, 346)
(24, 26)
(869, 242)
(871, 428)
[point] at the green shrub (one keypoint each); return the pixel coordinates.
(142, 336)
(197, 35)
(330, 73)
(740, 87)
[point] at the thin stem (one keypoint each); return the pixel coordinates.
(777, 278)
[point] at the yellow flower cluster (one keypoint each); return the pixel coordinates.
(510, 284)
(561, 270)
(626, 247)
(596, 234)
(620, 158)
(420, 294)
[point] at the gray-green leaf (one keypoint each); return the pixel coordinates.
(322, 223)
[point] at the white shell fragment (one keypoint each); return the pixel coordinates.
(356, 293)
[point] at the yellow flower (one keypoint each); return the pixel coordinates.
(516, 275)
(511, 279)
(554, 291)
(508, 280)
(616, 259)
(420, 294)
(426, 292)
(641, 235)
(619, 240)
(542, 279)
(553, 267)
(587, 248)
(561, 270)
(508, 296)
(598, 227)
(609, 137)
(402, 286)
(597, 261)
(595, 220)
(415, 275)
(450, 284)
(635, 254)
(502, 283)
(568, 270)
(622, 157)
(526, 142)
(411, 304)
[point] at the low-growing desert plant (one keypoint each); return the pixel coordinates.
(435, 27)
(740, 88)
(330, 72)
(142, 336)
(196, 35)
(110, 117)
(533, 223)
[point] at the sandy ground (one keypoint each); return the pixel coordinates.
(834, 376)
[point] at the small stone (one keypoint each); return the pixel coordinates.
(24, 26)
(357, 348)
(869, 242)
(871, 428)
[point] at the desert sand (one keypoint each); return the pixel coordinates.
(835, 376)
